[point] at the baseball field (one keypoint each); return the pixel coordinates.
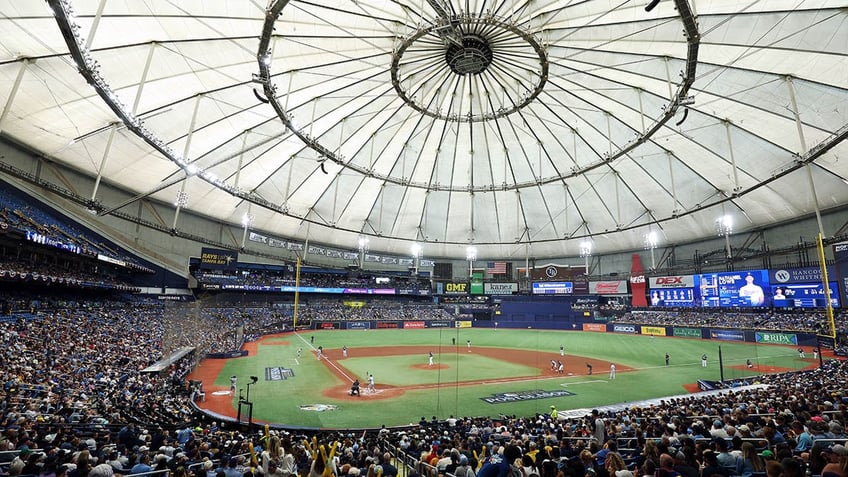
(475, 372)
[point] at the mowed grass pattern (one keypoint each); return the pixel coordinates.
(438, 395)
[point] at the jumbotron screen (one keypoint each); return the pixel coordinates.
(734, 289)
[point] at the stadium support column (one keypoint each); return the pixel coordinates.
(720, 364)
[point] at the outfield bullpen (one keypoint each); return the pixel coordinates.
(505, 372)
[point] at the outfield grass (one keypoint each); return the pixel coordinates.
(278, 401)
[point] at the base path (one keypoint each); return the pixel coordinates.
(574, 365)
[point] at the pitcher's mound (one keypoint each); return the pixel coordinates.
(434, 367)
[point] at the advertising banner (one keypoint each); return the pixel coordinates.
(456, 288)
(386, 324)
(327, 325)
(553, 288)
(798, 275)
(653, 330)
(440, 324)
(218, 259)
(776, 338)
(637, 282)
(476, 285)
(462, 324)
(624, 329)
(677, 281)
(727, 335)
(500, 288)
(595, 327)
(609, 287)
(359, 325)
(413, 324)
(687, 332)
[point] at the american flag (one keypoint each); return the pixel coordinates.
(496, 268)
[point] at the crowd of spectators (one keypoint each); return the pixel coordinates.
(279, 278)
(81, 405)
(333, 310)
(44, 226)
(16, 271)
(807, 321)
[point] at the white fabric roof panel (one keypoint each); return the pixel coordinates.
(496, 132)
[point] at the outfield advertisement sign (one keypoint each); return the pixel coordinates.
(653, 330)
(327, 325)
(595, 327)
(500, 398)
(727, 335)
(454, 288)
(440, 324)
(414, 324)
(463, 324)
(387, 324)
(359, 325)
(625, 329)
(609, 287)
(777, 338)
(687, 332)
(500, 288)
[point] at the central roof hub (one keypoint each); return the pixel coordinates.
(473, 57)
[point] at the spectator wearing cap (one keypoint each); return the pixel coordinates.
(837, 457)
(463, 469)
(718, 430)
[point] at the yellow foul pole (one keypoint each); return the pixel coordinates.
(826, 283)
(296, 291)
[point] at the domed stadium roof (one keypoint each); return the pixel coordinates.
(444, 122)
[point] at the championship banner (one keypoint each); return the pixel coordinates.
(653, 330)
(776, 338)
(218, 259)
(637, 282)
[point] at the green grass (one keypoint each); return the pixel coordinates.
(278, 401)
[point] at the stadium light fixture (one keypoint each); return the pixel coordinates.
(470, 255)
(724, 227)
(586, 252)
(651, 240)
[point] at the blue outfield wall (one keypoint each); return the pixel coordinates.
(719, 334)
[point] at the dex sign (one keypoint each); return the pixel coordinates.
(679, 281)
